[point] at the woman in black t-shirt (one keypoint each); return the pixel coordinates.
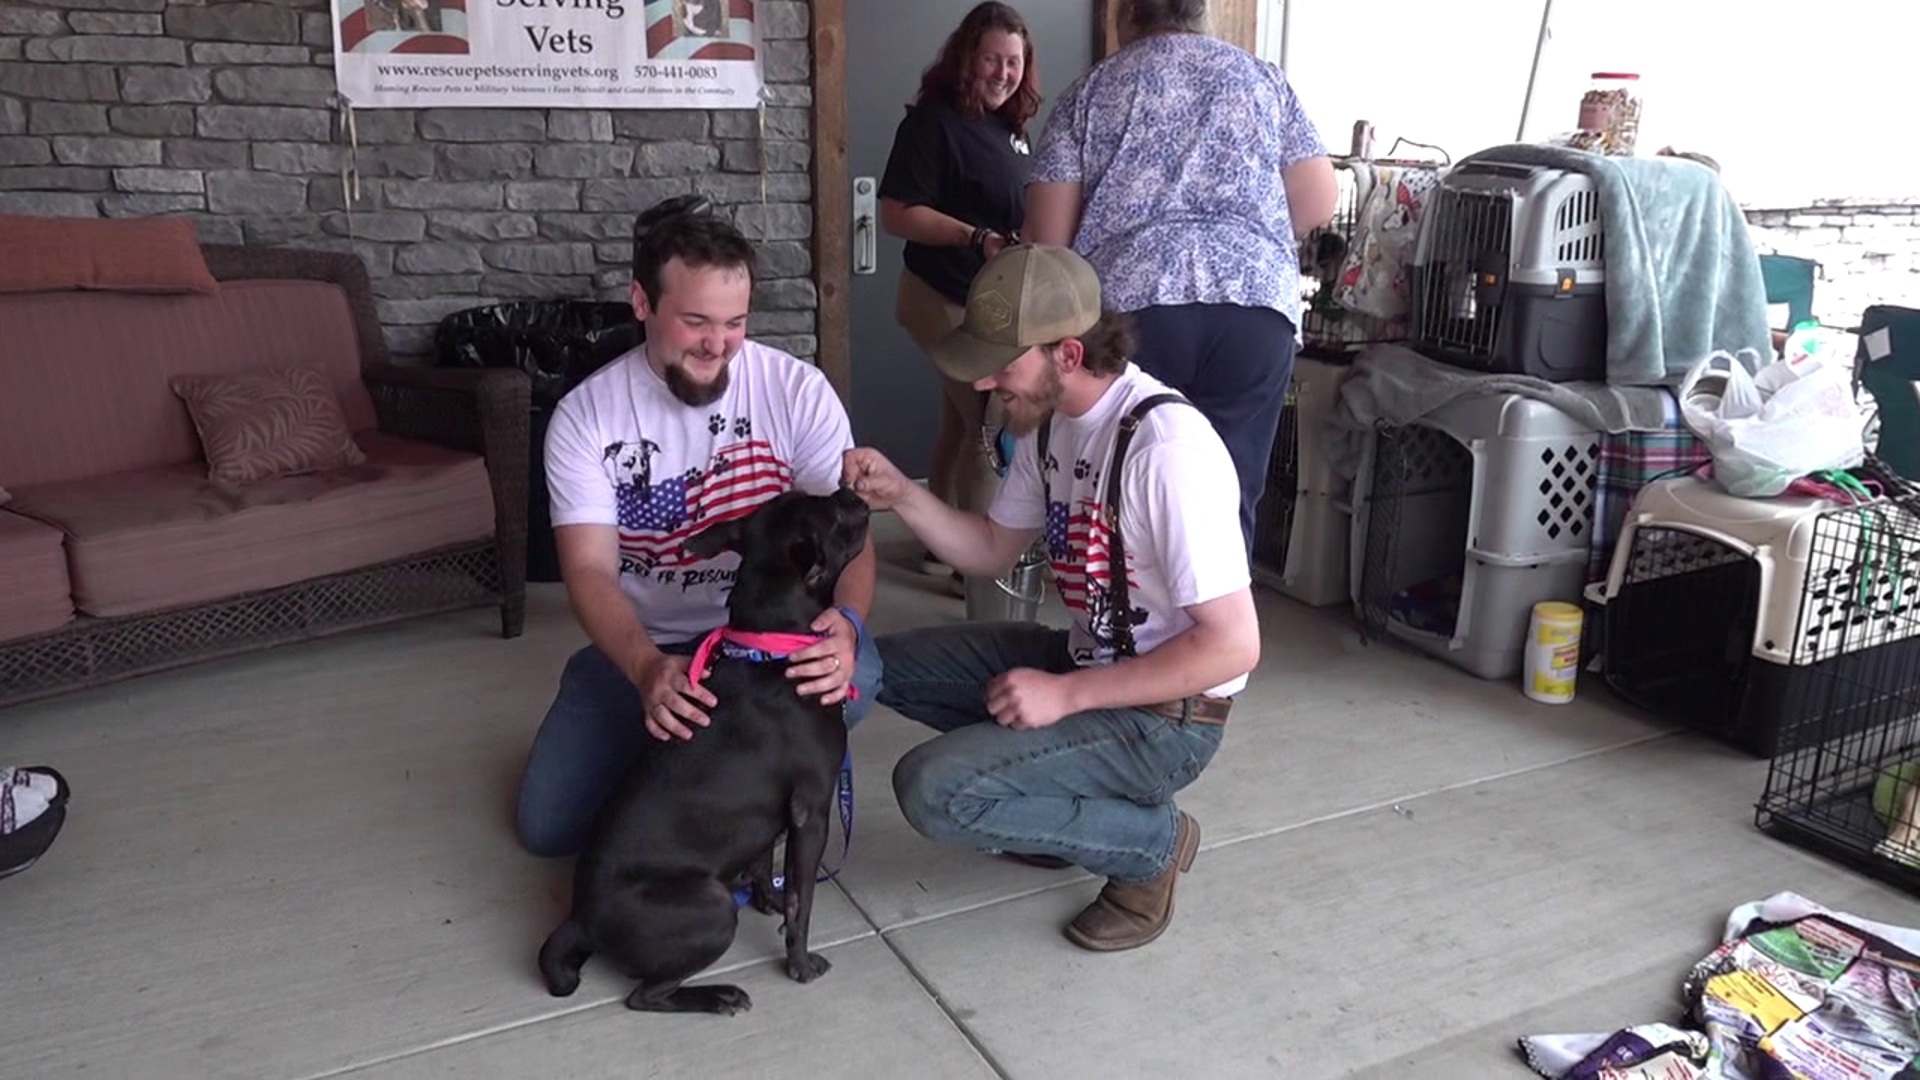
(955, 191)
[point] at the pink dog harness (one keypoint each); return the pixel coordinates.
(762, 647)
(753, 646)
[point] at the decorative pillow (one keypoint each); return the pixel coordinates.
(260, 424)
(139, 255)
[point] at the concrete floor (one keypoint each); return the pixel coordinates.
(301, 864)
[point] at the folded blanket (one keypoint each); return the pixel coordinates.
(1683, 279)
(1395, 385)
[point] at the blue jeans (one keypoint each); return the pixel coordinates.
(1095, 789)
(1233, 363)
(592, 735)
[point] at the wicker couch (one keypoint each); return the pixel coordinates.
(118, 556)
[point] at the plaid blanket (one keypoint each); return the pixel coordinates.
(1630, 461)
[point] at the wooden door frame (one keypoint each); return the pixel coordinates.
(1236, 21)
(832, 198)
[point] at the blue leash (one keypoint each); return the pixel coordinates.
(843, 795)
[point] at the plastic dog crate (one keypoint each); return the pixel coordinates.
(1510, 275)
(1465, 520)
(1315, 569)
(1769, 624)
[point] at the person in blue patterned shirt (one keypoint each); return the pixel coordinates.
(1185, 170)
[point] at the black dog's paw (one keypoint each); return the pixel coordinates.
(563, 983)
(728, 1000)
(814, 966)
(765, 899)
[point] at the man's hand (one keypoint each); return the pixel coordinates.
(1024, 699)
(671, 703)
(875, 479)
(827, 663)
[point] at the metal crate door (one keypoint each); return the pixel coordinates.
(1420, 497)
(1458, 291)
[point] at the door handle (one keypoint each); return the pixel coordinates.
(866, 226)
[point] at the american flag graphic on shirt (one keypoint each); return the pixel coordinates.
(1079, 547)
(656, 522)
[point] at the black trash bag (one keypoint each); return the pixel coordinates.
(558, 343)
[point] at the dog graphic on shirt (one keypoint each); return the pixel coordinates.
(630, 464)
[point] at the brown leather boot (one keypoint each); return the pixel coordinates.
(1129, 916)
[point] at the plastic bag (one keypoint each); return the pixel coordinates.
(1767, 430)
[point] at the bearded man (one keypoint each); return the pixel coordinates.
(696, 426)
(1065, 747)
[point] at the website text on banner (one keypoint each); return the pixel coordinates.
(555, 54)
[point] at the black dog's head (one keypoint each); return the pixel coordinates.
(792, 549)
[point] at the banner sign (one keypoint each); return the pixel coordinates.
(547, 54)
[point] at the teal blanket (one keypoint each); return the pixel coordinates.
(1683, 280)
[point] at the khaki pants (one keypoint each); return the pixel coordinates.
(961, 475)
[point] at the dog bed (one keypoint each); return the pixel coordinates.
(33, 806)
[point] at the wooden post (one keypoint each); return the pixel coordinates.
(832, 198)
(1235, 21)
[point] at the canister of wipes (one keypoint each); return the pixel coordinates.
(1553, 652)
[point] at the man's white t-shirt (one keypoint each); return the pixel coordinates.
(1179, 511)
(623, 451)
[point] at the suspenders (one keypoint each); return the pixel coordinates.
(1118, 599)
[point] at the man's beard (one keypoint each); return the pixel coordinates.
(1025, 411)
(693, 393)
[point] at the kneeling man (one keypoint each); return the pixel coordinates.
(1066, 747)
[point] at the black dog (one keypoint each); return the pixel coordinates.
(653, 888)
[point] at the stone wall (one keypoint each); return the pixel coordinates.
(1868, 250)
(223, 112)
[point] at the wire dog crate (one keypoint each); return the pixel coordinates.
(1847, 779)
(1770, 624)
(1353, 284)
(1327, 327)
(1510, 273)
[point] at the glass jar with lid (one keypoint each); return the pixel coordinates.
(1610, 112)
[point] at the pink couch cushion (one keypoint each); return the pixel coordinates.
(142, 255)
(166, 537)
(259, 424)
(83, 375)
(33, 578)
